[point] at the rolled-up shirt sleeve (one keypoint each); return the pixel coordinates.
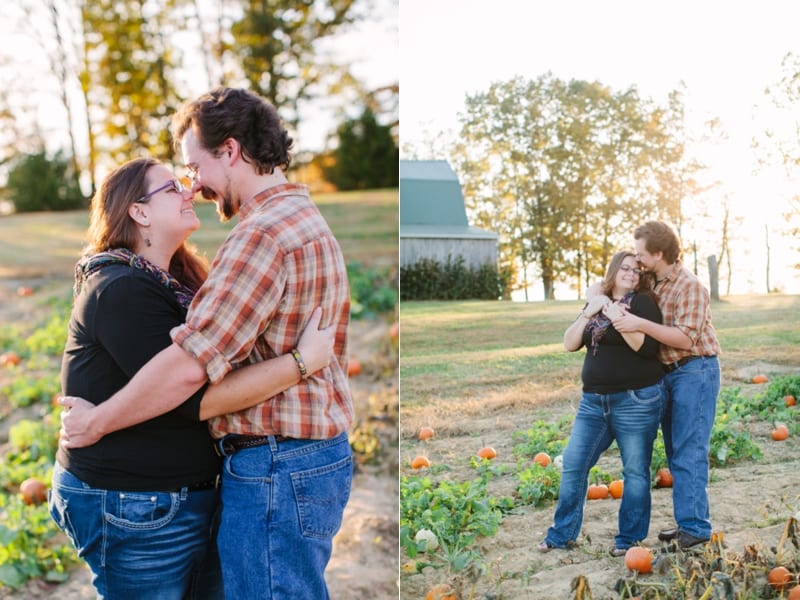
(236, 303)
(690, 315)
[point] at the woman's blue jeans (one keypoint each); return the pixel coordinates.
(687, 424)
(282, 503)
(632, 418)
(141, 545)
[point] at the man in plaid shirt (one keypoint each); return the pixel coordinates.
(288, 466)
(689, 350)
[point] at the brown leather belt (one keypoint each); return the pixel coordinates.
(670, 367)
(232, 444)
(205, 485)
(211, 484)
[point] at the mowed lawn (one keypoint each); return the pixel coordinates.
(48, 244)
(453, 350)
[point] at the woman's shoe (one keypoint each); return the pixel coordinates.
(545, 546)
(618, 551)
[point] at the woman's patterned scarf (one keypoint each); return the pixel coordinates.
(599, 323)
(122, 256)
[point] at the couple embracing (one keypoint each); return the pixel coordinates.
(651, 358)
(204, 453)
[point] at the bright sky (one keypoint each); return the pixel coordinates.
(371, 49)
(725, 53)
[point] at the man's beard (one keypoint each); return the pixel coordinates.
(225, 208)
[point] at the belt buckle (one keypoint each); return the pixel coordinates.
(223, 448)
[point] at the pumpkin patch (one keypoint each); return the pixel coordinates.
(512, 499)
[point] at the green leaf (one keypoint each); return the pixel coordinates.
(11, 576)
(7, 535)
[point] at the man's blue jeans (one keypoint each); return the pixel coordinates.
(141, 545)
(692, 391)
(632, 418)
(282, 503)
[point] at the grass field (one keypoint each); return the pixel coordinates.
(496, 374)
(47, 244)
(454, 350)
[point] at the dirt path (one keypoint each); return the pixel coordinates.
(750, 502)
(365, 561)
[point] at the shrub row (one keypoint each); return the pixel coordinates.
(429, 279)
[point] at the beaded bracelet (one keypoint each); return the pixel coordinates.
(300, 364)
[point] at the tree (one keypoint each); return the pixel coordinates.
(276, 44)
(560, 170)
(131, 66)
(366, 157)
(38, 183)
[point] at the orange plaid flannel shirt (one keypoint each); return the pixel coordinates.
(277, 264)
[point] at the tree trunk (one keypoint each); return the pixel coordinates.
(713, 276)
(549, 288)
(766, 271)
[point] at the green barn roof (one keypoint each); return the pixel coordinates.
(431, 202)
(430, 194)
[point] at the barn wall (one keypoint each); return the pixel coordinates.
(476, 252)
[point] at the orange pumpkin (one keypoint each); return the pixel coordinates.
(794, 593)
(760, 379)
(33, 491)
(780, 433)
(789, 400)
(542, 458)
(394, 331)
(638, 558)
(9, 359)
(353, 367)
(420, 462)
(615, 488)
(779, 578)
(597, 491)
(425, 433)
(487, 452)
(663, 478)
(441, 591)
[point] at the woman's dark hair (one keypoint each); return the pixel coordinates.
(645, 285)
(110, 225)
(242, 115)
(659, 237)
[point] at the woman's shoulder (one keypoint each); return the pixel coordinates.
(119, 280)
(644, 300)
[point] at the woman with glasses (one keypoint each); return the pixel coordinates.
(140, 504)
(622, 400)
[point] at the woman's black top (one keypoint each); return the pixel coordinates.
(120, 320)
(616, 367)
